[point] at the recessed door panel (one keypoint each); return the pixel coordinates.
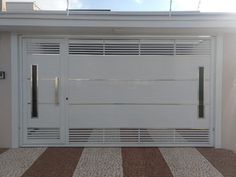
(135, 91)
(42, 90)
(136, 67)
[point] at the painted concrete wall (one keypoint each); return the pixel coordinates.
(5, 93)
(229, 93)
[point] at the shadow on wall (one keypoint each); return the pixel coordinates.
(5, 88)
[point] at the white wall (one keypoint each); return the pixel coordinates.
(5, 93)
(229, 93)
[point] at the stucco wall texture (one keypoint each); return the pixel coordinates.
(5, 90)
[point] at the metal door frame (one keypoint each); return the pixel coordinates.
(16, 51)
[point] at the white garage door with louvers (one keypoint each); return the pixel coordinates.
(118, 92)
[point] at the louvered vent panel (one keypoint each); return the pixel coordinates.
(159, 48)
(86, 48)
(161, 136)
(141, 47)
(191, 136)
(43, 48)
(156, 137)
(196, 47)
(43, 133)
(121, 49)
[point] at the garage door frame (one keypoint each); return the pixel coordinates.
(216, 111)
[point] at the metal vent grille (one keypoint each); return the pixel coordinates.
(126, 137)
(43, 133)
(43, 48)
(199, 47)
(140, 47)
(121, 48)
(86, 48)
(157, 48)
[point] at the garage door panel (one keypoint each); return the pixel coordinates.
(167, 92)
(203, 123)
(136, 67)
(50, 70)
(132, 116)
(46, 91)
(135, 92)
(49, 116)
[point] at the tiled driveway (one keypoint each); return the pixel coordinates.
(117, 162)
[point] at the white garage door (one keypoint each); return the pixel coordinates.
(111, 92)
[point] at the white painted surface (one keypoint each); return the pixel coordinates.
(160, 92)
(111, 91)
(133, 116)
(218, 91)
(136, 67)
(49, 67)
(186, 20)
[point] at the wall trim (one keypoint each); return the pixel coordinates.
(218, 91)
(15, 113)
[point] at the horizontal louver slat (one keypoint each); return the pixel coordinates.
(43, 48)
(139, 136)
(160, 47)
(86, 49)
(43, 133)
(121, 49)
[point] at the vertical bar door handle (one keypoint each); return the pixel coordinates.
(201, 93)
(57, 80)
(34, 91)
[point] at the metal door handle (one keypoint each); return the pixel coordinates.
(57, 80)
(34, 91)
(201, 93)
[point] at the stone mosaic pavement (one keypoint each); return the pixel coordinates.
(117, 162)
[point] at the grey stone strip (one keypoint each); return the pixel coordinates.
(14, 162)
(188, 162)
(100, 162)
